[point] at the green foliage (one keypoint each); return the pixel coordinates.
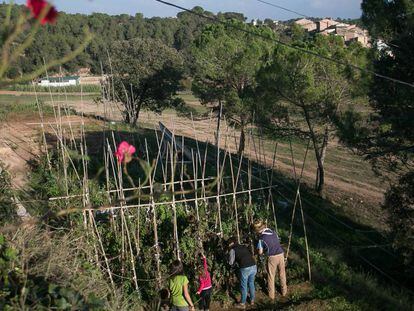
(304, 95)
(399, 203)
(392, 22)
(12, 109)
(57, 40)
(19, 290)
(7, 210)
(386, 136)
(338, 285)
(227, 61)
(334, 279)
(303, 82)
(147, 75)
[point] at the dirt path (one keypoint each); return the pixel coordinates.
(20, 142)
(18, 145)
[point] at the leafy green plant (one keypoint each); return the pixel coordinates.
(7, 211)
(20, 289)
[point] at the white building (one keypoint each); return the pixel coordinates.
(59, 81)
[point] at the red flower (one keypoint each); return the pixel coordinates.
(37, 7)
(124, 152)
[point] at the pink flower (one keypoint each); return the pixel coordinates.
(124, 152)
(37, 7)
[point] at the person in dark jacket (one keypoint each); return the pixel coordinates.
(269, 245)
(240, 255)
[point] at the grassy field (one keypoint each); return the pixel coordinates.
(28, 99)
(11, 105)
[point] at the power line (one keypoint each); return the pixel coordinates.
(344, 243)
(333, 235)
(339, 62)
(307, 16)
(282, 8)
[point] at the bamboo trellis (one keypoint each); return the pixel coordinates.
(201, 179)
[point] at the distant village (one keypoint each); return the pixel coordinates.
(329, 26)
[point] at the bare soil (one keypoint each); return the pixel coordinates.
(21, 141)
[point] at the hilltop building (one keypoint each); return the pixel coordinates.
(328, 26)
(307, 24)
(326, 23)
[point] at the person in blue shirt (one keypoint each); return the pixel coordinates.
(269, 245)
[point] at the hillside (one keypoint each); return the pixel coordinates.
(261, 166)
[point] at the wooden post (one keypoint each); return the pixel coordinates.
(155, 226)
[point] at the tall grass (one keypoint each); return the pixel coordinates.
(10, 109)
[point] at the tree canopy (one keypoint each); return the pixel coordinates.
(227, 61)
(391, 135)
(55, 40)
(146, 75)
(304, 94)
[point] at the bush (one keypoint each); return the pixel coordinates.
(21, 289)
(7, 211)
(399, 203)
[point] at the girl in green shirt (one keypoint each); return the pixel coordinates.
(178, 284)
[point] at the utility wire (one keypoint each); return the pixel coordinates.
(282, 8)
(334, 236)
(215, 19)
(306, 16)
(344, 243)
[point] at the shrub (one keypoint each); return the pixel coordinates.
(399, 203)
(7, 211)
(21, 288)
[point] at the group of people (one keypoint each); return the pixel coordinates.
(177, 296)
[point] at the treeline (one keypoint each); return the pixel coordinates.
(55, 41)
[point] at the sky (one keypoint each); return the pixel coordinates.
(250, 8)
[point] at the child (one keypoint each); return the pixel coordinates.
(164, 300)
(205, 288)
(180, 296)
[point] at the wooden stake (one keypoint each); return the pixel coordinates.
(155, 225)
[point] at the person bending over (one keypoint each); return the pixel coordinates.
(241, 255)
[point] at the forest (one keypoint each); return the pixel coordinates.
(202, 125)
(59, 39)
